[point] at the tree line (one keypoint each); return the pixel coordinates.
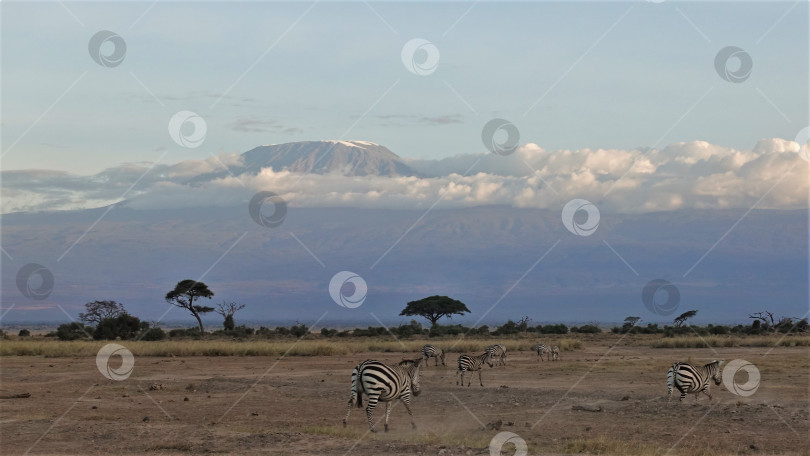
(109, 320)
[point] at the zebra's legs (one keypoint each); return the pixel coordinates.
(387, 412)
(479, 378)
(372, 402)
(462, 377)
(407, 402)
(706, 392)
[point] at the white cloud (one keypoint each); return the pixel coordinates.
(683, 175)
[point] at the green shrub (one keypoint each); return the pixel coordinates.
(24, 333)
(151, 333)
(124, 326)
(73, 331)
(586, 329)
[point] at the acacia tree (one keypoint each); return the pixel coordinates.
(227, 309)
(100, 310)
(681, 319)
(184, 295)
(629, 322)
(435, 307)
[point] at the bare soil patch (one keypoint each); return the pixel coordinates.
(595, 400)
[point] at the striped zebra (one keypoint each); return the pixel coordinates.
(498, 353)
(555, 353)
(472, 363)
(432, 351)
(384, 383)
(540, 349)
(691, 379)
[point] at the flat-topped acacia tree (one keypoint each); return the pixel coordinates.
(184, 295)
(435, 307)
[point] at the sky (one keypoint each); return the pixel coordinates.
(688, 108)
(572, 75)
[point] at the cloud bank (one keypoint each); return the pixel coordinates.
(695, 175)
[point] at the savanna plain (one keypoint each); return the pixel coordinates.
(605, 395)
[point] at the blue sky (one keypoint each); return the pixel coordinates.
(568, 75)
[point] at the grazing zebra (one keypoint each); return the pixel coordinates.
(432, 351)
(471, 363)
(540, 349)
(555, 353)
(498, 352)
(691, 379)
(384, 383)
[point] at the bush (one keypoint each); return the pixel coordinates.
(510, 327)
(299, 330)
(73, 331)
(449, 330)
(124, 326)
(326, 332)
(553, 329)
(586, 329)
(181, 332)
(719, 329)
(151, 333)
(24, 333)
(240, 332)
(411, 329)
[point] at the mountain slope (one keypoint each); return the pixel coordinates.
(348, 158)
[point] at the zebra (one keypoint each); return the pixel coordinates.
(540, 349)
(384, 383)
(498, 353)
(691, 379)
(471, 363)
(432, 351)
(555, 353)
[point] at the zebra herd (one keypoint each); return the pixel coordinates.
(385, 383)
(381, 382)
(553, 351)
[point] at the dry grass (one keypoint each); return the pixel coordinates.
(732, 341)
(315, 347)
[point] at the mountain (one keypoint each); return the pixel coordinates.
(348, 158)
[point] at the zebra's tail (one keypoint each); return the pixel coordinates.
(357, 388)
(671, 379)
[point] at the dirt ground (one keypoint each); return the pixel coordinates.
(294, 405)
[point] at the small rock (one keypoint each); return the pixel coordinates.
(254, 414)
(587, 408)
(625, 398)
(587, 428)
(146, 419)
(94, 407)
(753, 447)
(496, 425)
(185, 399)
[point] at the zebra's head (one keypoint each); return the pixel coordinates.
(413, 371)
(488, 358)
(411, 367)
(717, 373)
